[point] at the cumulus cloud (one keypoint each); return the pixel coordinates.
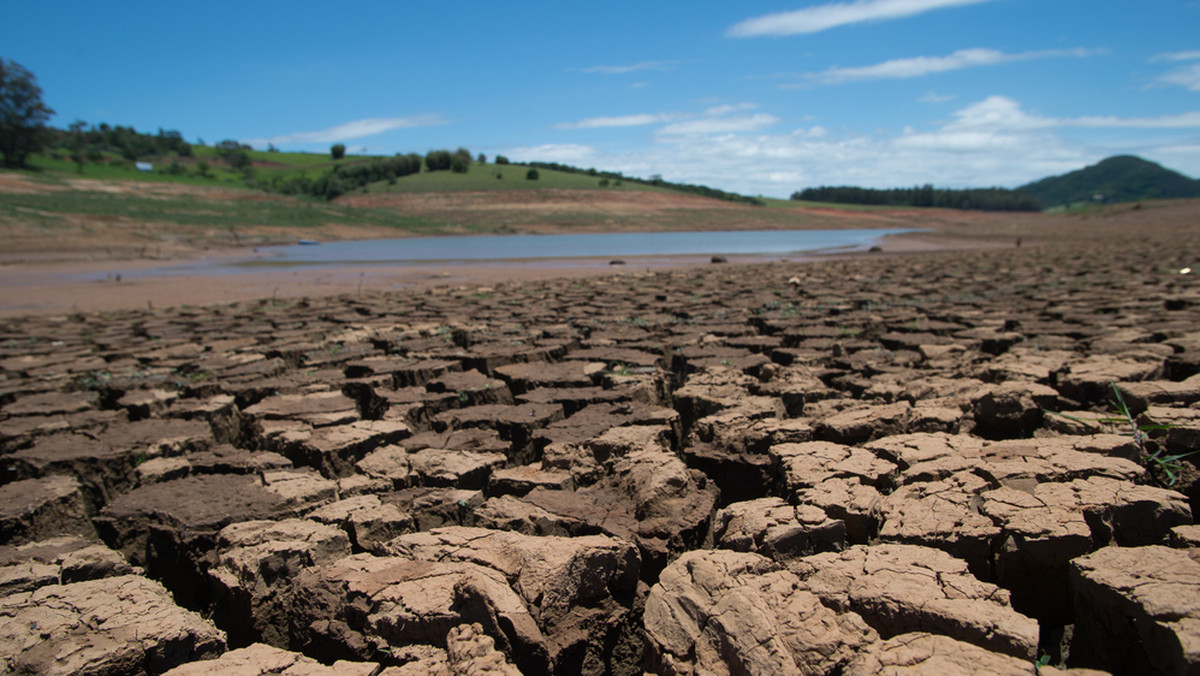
(350, 130)
(993, 141)
(920, 66)
(824, 17)
(618, 121)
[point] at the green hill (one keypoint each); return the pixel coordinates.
(1123, 178)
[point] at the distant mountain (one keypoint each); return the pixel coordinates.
(1123, 178)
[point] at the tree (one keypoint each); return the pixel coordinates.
(338, 151)
(531, 175)
(438, 160)
(23, 115)
(78, 144)
(500, 159)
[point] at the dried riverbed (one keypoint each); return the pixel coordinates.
(834, 467)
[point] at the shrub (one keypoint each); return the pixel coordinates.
(531, 175)
(337, 151)
(500, 159)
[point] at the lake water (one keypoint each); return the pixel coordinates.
(543, 250)
(532, 247)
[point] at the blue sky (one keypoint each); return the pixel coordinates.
(755, 97)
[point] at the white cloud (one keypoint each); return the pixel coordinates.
(565, 153)
(619, 121)
(925, 65)
(1188, 78)
(934, 97)
(994, 141)
(1178, 56)
(350, 130)
(729, 108)
(824, 17)
(620, 70)
(720, 125)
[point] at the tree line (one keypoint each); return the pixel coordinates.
(976, 199)
(655, 180)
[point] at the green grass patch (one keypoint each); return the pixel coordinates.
(482, 177)
(255, 210)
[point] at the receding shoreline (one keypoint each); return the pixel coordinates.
(55, 287)
(56, 278)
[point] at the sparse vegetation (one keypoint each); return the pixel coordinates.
(1164, 468)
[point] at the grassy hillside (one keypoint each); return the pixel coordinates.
(1123, 178)
(498, 177)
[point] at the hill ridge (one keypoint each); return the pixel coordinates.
(1120, 178)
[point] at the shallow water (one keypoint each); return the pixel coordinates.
(539, 249)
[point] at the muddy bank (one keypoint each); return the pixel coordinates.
(837, 466)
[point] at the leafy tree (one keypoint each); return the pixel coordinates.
(338, 150)
(438, 160)
(23, 115)
(482, 159)
(531, 175)
(458, 165)
(500, 159)
(202, 169)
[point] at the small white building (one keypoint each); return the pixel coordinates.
(144, 166)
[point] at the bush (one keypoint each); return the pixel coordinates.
(458, 165)
(531, 175)
(500, 159)
(338, 151)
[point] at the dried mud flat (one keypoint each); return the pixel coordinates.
(840, 467)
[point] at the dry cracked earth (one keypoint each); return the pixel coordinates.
(847, 467)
